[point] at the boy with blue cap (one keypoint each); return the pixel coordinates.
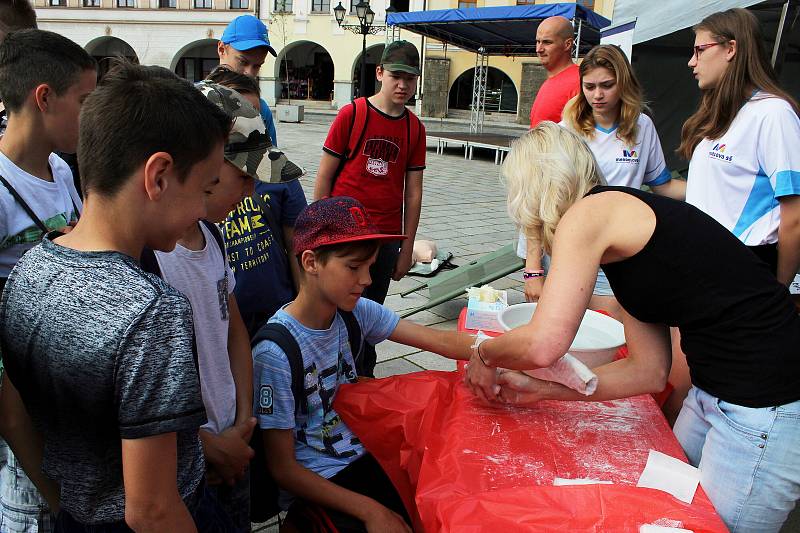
(243, 48)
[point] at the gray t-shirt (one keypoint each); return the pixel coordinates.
(100, 351)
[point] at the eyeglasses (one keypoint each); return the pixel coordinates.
(703, 47)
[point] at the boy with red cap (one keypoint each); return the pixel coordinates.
(320, 465)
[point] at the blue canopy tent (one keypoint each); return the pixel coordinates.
(504, 31)
(498, 31)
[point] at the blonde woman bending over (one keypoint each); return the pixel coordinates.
(739, 422)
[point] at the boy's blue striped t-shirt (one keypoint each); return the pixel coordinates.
(323, 442)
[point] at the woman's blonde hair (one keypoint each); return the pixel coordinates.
(548, 169)
(749, 70)
(578, 112)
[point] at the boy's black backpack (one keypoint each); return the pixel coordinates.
(264, 491)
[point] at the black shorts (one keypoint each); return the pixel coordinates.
(364, 476)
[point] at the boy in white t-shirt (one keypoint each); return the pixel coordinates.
(44, 79)
(198, 267)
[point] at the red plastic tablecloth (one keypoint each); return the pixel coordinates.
(461, 466)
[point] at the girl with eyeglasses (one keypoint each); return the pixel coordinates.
(742, 142)
(742, 146)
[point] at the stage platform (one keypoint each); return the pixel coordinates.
(501, 144)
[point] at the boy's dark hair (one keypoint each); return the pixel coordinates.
(137, 111)
(240, 83)
(32, 57)
(362, 250)
(16, 15)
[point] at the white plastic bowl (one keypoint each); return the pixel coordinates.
(597, 341)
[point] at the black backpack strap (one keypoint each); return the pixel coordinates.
(355, 339)
(358, 129)
(280, 335)
(264, 490)
(362, 118)
(75, 207)
(25, 207)
(149, 263)
(214, 230)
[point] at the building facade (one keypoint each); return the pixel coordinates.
(318, 62)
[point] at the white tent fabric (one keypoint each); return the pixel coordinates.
(654, 19)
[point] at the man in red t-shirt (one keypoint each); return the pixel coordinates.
(384, 172)
(554, 41)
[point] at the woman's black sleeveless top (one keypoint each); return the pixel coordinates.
(739, 329)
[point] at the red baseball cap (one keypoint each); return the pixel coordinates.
(335, 220)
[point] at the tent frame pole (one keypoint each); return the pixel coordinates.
(578, 37)
(479, 91)
(778, 51)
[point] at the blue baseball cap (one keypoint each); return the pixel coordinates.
(246, 32)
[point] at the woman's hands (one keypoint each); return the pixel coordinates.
(533, 289)
(511, 387)
(481, 379)
(517, 388)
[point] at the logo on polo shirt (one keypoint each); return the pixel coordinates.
(718, 152)
(629, 156)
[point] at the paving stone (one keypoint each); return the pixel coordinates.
(398, 303)
(491, 238)
(388, 350)
(516, 297)
(395, 367)
(432, 361)
(426, 318)
(450, 309)
(408, 282)
(506, 283)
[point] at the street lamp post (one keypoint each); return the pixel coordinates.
(364, 27)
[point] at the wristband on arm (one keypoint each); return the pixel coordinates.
(476, 347)
(530, 274)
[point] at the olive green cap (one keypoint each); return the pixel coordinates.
(401, 56)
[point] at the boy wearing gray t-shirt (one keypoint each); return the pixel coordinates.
(102, 352)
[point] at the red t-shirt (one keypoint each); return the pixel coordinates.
(376, 175)
(554, 94)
